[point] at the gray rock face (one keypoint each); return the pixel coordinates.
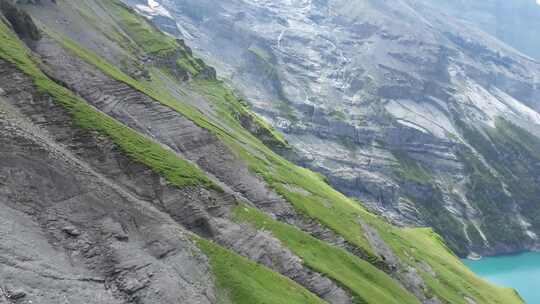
(61, 219)
(196, 210)
(22, 24)
(380, 96)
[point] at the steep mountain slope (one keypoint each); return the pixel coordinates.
(424, 117)
(129, 174)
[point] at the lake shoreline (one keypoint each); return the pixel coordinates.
(520, 271)
(473, 256)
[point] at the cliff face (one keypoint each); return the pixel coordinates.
(130, 174)
(409, 106)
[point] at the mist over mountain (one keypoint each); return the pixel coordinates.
(513, 22)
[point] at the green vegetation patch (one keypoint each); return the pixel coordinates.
(338, 115)
(245, 282)
(163, 161)
(444, 274)
(286, 110)
(105, 27)
(410, 169)
(233, 110)
(145, 35)
(187, 65)
(262, 54)
(366, 283)
(511, 134)
(151, 89)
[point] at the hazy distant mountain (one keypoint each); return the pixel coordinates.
(515, 22)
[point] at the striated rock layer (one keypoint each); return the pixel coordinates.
(424, 117)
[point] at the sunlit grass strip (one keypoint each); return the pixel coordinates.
(245, 282)
(163, 161)
(366, 283)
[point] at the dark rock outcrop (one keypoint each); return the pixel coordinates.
(20, 21)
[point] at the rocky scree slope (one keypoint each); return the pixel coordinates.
(129, 174)
(425, 117)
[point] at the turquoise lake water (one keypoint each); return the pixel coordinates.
(521, 272)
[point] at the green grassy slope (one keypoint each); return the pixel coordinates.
(178, 171)
(366, 283)
(241, 280)
(233, 110)
(142, 32)
(150, 41)
(447, 277)
(452, 282)
(154, 88)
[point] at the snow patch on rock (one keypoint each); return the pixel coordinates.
(424, 117)
(153, 8)
(480, 105)
(517, 108)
